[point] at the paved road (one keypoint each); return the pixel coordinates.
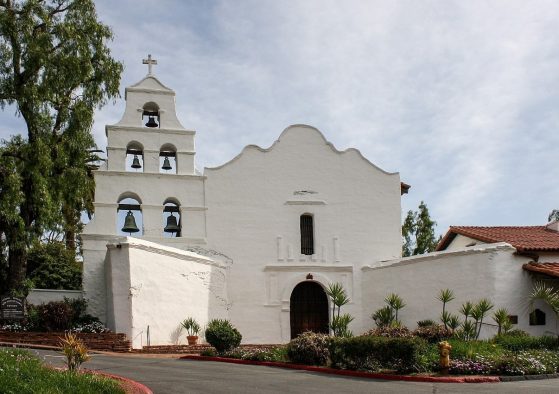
(170, 376)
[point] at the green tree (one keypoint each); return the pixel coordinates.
(56, 69)
(418, 232)
(50, 265)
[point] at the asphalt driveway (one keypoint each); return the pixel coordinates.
(171, 375)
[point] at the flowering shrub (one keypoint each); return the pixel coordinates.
(470, 367)
(528, 363)
(309, 348)
(13, 327)
(94, 327)
(434, 333)
(274, 354)
(390, 332)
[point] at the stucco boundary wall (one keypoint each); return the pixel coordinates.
(43, 296)
(491, 271)
(152, 288)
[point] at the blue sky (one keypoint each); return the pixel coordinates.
(460, 97)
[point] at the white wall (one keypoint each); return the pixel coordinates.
(157, 286)
(489, 271)
(254, 204)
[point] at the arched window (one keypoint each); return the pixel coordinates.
(151, 115)
(307, 234)
(135, 157)
(168, 159)
(171, 218)
(129, 216)
(537, 318)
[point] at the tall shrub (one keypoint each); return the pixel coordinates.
(221, 334)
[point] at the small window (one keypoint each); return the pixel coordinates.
(513, 319)
(537, 318)
(307, 236)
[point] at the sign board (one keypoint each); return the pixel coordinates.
(12, 308)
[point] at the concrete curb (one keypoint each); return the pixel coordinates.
(344, 372)
(131, 386)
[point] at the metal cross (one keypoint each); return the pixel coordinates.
(149, 61)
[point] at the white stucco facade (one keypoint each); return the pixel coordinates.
(240, 256)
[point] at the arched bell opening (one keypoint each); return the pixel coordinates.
(134, 157)
(129, 217)
(151, 115)
(308, 309)
(171, 219)
(168, 159)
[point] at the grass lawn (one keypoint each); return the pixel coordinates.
(22, 373)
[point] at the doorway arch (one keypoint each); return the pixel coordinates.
(308, 309)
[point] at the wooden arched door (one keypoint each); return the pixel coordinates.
(308, 309)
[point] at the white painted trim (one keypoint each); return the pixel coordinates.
(328, 143)
(482, 248)
(148, 174)
(147, 129)
(305, 202)
(307, 267)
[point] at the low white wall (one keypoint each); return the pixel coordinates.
(42, 296)
(157, 286)
(485, 271)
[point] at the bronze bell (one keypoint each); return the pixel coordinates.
(130, 224)
(151, 122)
(136, 162)
(166, 164)
(172, 226)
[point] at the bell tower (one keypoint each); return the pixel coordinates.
(149, 119)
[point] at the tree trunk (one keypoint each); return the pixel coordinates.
(17, 261)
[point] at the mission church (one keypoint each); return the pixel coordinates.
(258, 239)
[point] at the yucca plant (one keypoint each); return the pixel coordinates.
(501, 317)
(75, 351)
(383, 317)
(191, 326)
(395, 302)
(479, 312)
(466, 310)
(445, 296)
(339, 323)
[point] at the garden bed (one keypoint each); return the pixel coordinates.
(361, 374)
(95, 341)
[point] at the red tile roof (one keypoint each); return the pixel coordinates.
(523, 238)
(551, 269)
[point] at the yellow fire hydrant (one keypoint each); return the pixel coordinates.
(444, 356)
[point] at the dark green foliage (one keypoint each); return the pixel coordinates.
(418, 232)
(517, 343)
(309, 348)
(55, 69)
(433, 333)
(469, 349)
(221, 334)
(55, 316)
(426, 323)
(22, 372)
(376, 353)
(52, 266)
(208, 353)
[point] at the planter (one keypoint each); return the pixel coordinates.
(192, 339)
